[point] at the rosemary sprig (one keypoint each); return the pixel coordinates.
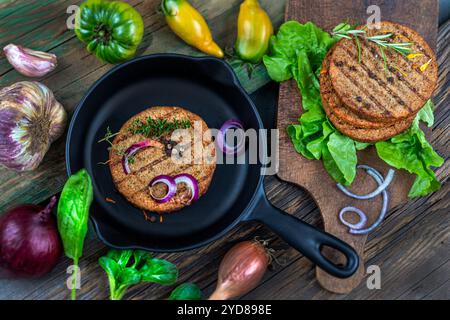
(346, 31)
(151, 128)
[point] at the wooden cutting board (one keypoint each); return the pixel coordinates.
(421, 15)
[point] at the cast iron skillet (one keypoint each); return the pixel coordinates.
(208, 87)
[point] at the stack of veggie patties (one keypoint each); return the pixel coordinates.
(372, 93)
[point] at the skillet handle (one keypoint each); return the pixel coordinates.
(306, 238)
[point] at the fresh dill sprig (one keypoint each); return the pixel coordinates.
(151, 128)
(346, 31)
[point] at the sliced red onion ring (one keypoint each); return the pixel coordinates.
(386, 182)
(362, 218)
(191, 183)
(135, 148)
(231, 124)
(171, 187)
(357, 228)
(379, 179)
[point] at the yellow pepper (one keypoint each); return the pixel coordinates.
(189, 25)
(254, 32)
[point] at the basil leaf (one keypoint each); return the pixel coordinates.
(73, 213)
(159, 271)
(186, 291)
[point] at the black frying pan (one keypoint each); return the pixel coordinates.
(208, 87)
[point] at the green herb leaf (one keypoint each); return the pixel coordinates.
(120, 256)
(159, 271)
(156, 128)
(186, 291)
(112, 269)
(129, 276)
(73, 214)
(110, 266)
(127, 267)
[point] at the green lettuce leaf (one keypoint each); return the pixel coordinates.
(412, 152)
(297, 52)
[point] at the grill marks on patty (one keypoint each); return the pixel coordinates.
(381, 86)
(335, 105)
(151, 162)
(368, 103)
(378, 95)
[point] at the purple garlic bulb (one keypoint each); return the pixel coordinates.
(30, 120)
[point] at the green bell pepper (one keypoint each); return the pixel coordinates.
(112, 30)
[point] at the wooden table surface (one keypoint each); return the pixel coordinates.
(411, 247)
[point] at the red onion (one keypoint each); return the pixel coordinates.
(191, 183)
(357, 228)
(171, 187)
(387, 181)
(29, 241)
(362, 218)
(135, 148)
(241, 270)
(231, 124)
(379, 179)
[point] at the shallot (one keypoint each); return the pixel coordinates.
(241, 270)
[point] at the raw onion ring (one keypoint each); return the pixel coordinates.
(191, 183)
(135, 148)
(171, 187)
(362, 217)
(357, 228)
(386, 182)
(230, 124)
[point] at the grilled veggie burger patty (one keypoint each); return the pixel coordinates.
(160, 159)
(381, 95)
(348, 122)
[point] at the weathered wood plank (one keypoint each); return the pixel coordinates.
(78, 69)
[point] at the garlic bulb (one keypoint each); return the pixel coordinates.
(30, 120)
(29, 62)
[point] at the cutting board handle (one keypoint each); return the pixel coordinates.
(305, 238)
